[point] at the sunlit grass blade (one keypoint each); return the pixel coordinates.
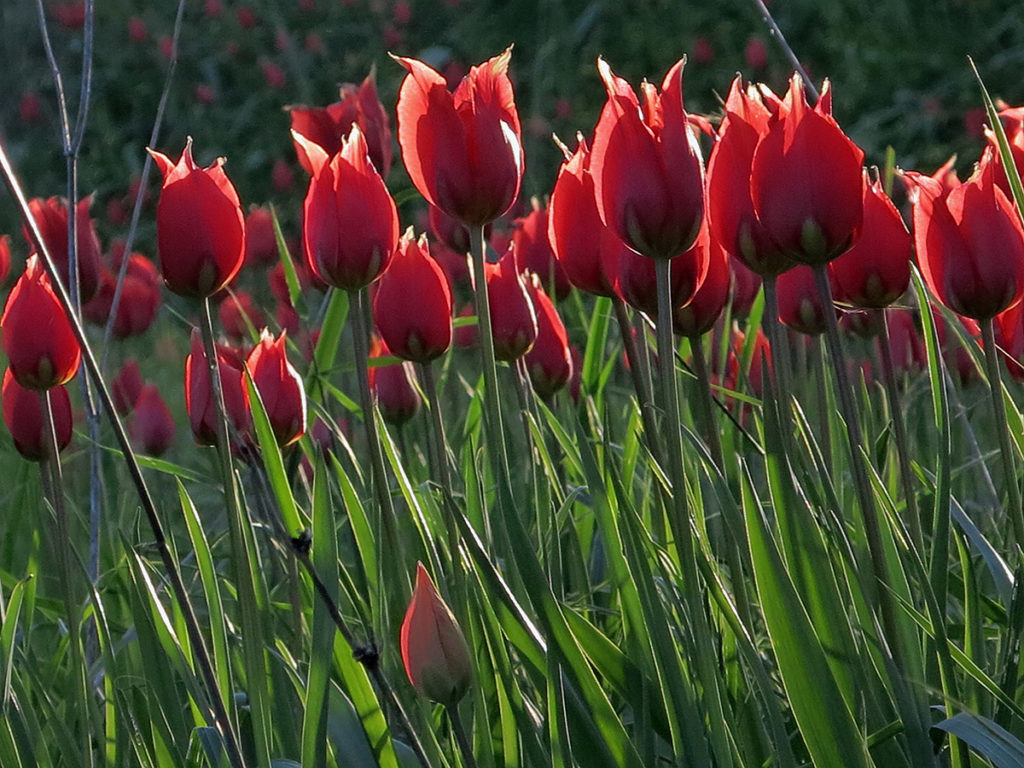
(826, 724)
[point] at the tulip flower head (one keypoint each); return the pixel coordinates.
(24, 417)
(699, 315)
(647, 167)
(513, 316)
(200, 226)
(152, 425)
(800, 306)
(534, 252)
(463, 150)
(327, 126)
(350, 223)
(51, 216)
(730, 205)
(41, 348)
(876, 270)
(434, 650)
(199, 402)
(805, 180)
(280, 388)
(969, 241)
(549, 361)
(412, 307)
(392, 386)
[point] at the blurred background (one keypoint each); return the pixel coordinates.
(899, 69)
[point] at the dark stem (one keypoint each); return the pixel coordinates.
(361, 334)
(461, 738)
(704, 402)
(880, 587)
(641, 375)
(439, 451)
(790, 54)
(900, 433)
(780, 368)
(995, 383)
(53, 482)
(196, 640)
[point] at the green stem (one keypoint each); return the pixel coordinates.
(641, 375)
(438, 449)
(900, 433)
(361, 339)
(703, 402)
(825, 423)
(680, 522)
(248, 600)
(995, 382)
(492, 404)
(779, 344)
(54, 485)
(880, 587)
(461, 738)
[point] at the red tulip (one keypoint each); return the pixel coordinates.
(805, 180)
(699, 315)
(412, 308)
(434, 650)
(260, 240)
(239, 316)
(1010, 339)
(513, 315)
(876, 270)
(746, 285)
(140, 298)
(200, 226)
(23, 415)
(1013, 125)
(52, 217)
(280, 388)
(350, 223)
(647, 168)
(970, 243)
(730, 205)
(152, 425)
(69, 15)
(202, 411)
(5, 257)
(463, 151)
(126, 387)
(905, 339)
(957, 358)
(534, 252)
(41, 347)
(450, 231)
(327, 126)
(800, 307)
(586, 249)
(636, 280)
(392, 386)
(549, 361)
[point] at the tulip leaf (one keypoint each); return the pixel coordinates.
(291, 277)
(987, 738)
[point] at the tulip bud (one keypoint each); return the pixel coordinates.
(140, 299)
(51, 216)
(647, 166)
(350, 223)
(799, 304)
(280, 388)
(260, 239)
(199, 402)
(23, 415)
(434, 650)
(5, 257)
(126, 387)
(200, 226)
(699, 315)
(513, 316)
(152, 425)
(636, 279)
(36, 334)
(392, 386)
(876, 270)
(805, 181)
(412, 308)
(534, 252)
(463, 151)
(549, 361)
(238, 314)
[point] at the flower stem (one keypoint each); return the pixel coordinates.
(995, 383)
(54, 486)
(461, 738)
(705, 408)
(492, 404)
(879, 587)
(679, 517)
(641, 376)
(361, 334)
(439, 452)
(900, 433)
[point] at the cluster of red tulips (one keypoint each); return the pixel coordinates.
(785, 194)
